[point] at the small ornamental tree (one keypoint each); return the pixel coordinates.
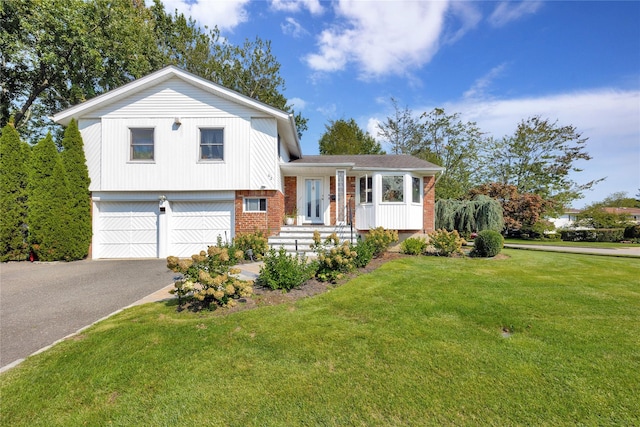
(48, 208)
(467, 216)
(14, 155)
(75, 165)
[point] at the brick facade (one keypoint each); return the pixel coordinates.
(268, 222)
(429, 204)
(290, 194)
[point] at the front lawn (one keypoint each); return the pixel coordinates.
(534, 339)
(599, 245)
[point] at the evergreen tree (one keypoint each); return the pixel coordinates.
(75, 165)
(48, 208)
(14, 156)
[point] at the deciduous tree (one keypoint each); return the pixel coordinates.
(346, 137)
(538, 159)
(521, 212)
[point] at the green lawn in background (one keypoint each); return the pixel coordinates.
(533, 339)
(603, 245)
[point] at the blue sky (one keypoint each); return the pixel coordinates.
(495, 63)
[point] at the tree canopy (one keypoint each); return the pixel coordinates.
(346, 137)
(57, 53)
(538, 159)
(440, 138)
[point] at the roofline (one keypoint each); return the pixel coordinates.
(64, 117)
(352, 166)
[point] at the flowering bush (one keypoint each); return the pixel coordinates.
(208, 277)
(334, 258)
(380, 239)
(284, 271)
(446, 243)
(257, 242)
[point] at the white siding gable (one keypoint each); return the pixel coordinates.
(249, 153)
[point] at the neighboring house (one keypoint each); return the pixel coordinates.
(567, 219)
(634, 213)
(177, 162)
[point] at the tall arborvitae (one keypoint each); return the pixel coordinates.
(14, 155)
(75, 165)
(48, 215)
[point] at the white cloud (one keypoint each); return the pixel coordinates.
(226, 14)
(293, 28)
(380, 37)
(480, 86)
(508, 11)
(298, 104)
(313, 6)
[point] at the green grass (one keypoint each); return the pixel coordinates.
(601, 245)
(417, 342)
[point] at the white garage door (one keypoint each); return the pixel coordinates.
(127, 230)
(196, 225)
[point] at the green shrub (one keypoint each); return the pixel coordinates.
(380, 239)
(284, 271)
(632, 232)
(413, 246)
(364, 251)
(446, 243)
(597, 235)
(488, 243)
(208, 278)
(256, 241)
(334, 258)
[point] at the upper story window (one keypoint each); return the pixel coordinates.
(142, 144)
(415, 190)
(366, 195)
(211, 144)
(392, 188)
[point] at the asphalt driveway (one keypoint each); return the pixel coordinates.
(41, 303)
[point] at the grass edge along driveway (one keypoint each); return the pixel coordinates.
(535, 339)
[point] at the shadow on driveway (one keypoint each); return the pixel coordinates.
(41, 303)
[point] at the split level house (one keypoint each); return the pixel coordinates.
(177, 162)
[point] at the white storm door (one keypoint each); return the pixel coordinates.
(313, 200)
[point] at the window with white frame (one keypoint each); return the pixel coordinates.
(142, 144)
(392, 188)
(255, 204)
(415, 190)
(366, 195)
(211, 144)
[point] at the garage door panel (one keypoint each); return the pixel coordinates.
(196, 225)
(127, 230)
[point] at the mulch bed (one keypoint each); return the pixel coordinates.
(263, 296)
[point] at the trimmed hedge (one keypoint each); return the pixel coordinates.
(597, 235)
(487, 244)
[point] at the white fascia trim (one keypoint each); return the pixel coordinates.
(64, 117)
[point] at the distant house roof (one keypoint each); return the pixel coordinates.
(373, 162)
(626, 211)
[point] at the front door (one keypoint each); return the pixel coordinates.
(313, 201)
